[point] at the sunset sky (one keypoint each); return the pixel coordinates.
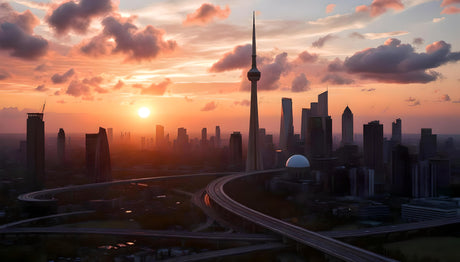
(96, 62)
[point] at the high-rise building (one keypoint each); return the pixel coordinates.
(204, 136)
(373, 148)
(362, 182)
(401, 184)
(159, 136)
(396, 131)
(61, 147)
(236, 150)
(254, 158)
(323, 104)
(347, 127)
(98, 164)
(286, 126)
(314, 109)
(35, 151)
(217, 138)
(306, 114)
(428, 144)
(110, 134)
(182, 138)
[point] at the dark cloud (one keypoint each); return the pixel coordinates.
(239, 57)
(119, 85)
(41, 67)
(394, 62)
(300, 83)
(306, 57)
(322, 40)
(445, 98)
(368, 90)
(136, 44)
(206, 13)
(93, 81)
(100, 90)
(16, 34)
(156, 89)
(209, 106)
(357, 35)
(4, 74)
(412, 101)
(335, 66)
(76, 88)
(77, 16)
(418, 41)
(336, 79)
(41, 88)
(59, 79)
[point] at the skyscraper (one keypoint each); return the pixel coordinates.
(373, 148)
(236, 150)
(204, 136)
(396, 131)
(318, 133)
(182, 138)
(98, 164)
(286, 125)
(35, 151)
(254, 159)
(347, 127)
(217, 136)
(61, 147)
(428, 144)
(306, 114)
(159, 135)
(323, 104)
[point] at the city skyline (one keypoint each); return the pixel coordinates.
(195, 64)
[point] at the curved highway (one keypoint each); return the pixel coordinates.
(40, 196)
(317, 241)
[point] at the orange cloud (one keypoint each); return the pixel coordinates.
(330, 8)
(449, 2)
(451, 10)
(379, 7)
(205, 14)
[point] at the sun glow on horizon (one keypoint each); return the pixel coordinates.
(143, 112)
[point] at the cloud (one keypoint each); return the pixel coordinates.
(188, 99)
(437, 20)
(418, 41)
(412, 101)
(76, 88)
(209, 106)
(93, 81)
(41, 67)
(336, 79)
(41, 88)
(356, 35)
(243, 102)
(4, 74)
(374, 36)
(16, 33)
(330, 8)
(379, 7)
(59, 79)
(206, 14)
(451, 10)
(306, 57)
(136, 44)
(272, 72)
(239, 57)
(445, 98)
(119, 85)
(77, 16)
(368, 90)
(449, 2)
(394, 62)
(322, 40)
(156, 89)
(300, 83)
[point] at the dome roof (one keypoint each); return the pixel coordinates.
(297, 161)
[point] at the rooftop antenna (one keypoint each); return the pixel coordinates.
(43, 108)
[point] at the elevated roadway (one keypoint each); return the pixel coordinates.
(314, 240)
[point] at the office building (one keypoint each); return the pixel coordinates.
(373, 148)
(236, 151)
(182, 139)
(401, 184)
(396, 131)
(204, 137)
(306, 114)
(98, 165)
(160, 136)
(61, 147)
(254, 158)
(347, 127)
(428, 144)
(323, 104)
(286, 125)
(35, 151)
(217, 137)
(362, 182)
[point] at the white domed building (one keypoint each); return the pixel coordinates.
(298, 167)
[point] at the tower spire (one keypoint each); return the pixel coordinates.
(254, 65)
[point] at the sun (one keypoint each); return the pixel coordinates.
(143, 112)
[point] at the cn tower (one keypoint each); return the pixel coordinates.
(254, 160)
